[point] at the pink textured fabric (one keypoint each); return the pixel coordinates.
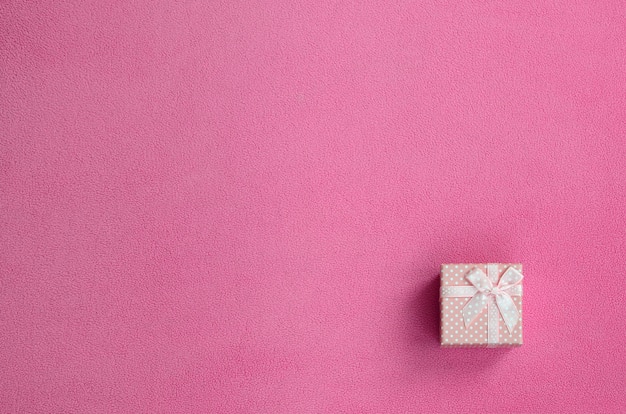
(242, 206)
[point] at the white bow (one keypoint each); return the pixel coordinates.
(485, 289)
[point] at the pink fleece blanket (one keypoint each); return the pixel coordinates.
(242, 206)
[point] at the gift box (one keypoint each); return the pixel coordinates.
(481, 305)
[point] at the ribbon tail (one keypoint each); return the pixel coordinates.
(473, 308)
(509, 312)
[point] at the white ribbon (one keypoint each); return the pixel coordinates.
(484, 292)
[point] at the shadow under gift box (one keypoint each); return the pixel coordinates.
(494, 316)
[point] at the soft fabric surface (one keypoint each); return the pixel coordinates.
(243, 206)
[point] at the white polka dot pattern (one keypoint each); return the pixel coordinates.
(454, 331)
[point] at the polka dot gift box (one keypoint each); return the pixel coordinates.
(481, 305)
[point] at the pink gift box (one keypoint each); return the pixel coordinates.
(481, 305)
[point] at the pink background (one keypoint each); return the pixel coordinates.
(242, 206)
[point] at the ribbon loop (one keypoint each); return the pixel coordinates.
(510, 278)
(479, 279)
